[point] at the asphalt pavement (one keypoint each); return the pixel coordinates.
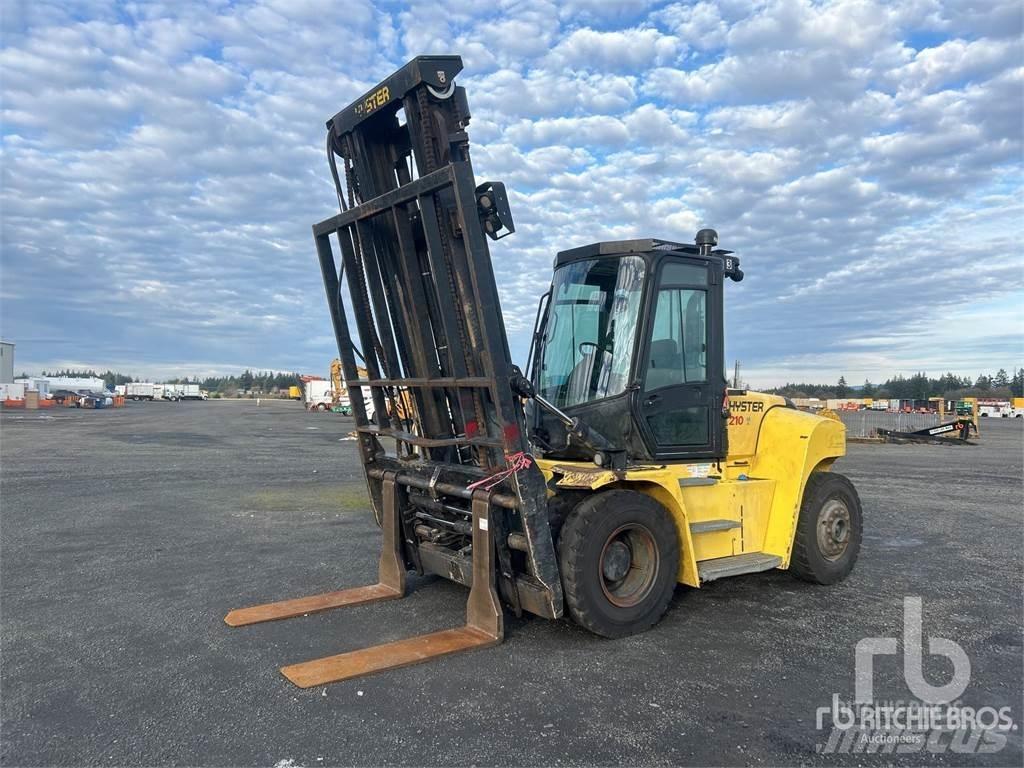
(127, 534)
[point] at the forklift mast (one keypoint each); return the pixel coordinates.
(413, 272)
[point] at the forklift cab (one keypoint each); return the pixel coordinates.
(629, 340)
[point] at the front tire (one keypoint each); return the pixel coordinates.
(829, 531)
(619, 556)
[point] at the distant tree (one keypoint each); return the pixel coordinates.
(920, 386)
(897, 386)
(949, 382)
(1017, 382)
(245, 381)
(112, 378)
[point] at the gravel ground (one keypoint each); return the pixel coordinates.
(128, 534)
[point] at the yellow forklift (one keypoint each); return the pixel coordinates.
(619, 466)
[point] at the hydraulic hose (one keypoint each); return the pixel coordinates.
(334, 171)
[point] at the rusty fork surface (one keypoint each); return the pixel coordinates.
(484, 617)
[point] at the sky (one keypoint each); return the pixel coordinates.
(162, 164)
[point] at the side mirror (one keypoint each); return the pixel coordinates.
(732, 268)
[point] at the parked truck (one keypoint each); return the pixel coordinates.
(191, 392)
(319, 395)
(138, 390)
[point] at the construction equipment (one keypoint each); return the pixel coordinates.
(956, 432)
(337, 385)
(961, 410)
(320, 394)
(631, 467)
(327, 395)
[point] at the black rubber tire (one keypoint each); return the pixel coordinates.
(580, 545)
(560, 506)
(808, 563)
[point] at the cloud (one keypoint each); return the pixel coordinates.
(956, 61)
(163, 162)
(619, 51)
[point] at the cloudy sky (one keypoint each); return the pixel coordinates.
(163, 163)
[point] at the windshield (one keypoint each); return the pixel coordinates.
(591, 328)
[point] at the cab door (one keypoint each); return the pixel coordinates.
(681, 365)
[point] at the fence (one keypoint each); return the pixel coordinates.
(864, 423)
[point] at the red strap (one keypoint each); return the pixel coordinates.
(515, 462)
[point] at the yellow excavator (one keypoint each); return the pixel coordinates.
(616, 468)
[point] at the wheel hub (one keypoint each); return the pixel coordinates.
(833, 529)
(629, 565)
(617, 560)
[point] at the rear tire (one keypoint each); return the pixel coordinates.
(828, 533)
(619, 556)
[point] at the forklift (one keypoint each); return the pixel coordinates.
(618, 465)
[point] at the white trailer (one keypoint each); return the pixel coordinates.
(190, 392)
(12, 391)
(139, 390)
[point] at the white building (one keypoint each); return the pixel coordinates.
(49, 384)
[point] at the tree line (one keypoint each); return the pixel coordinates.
(919, 386)
(259, 382)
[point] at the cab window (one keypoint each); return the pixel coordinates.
(677, 353)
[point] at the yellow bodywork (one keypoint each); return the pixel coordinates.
(760, 485)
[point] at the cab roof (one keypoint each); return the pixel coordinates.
(621, 247)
